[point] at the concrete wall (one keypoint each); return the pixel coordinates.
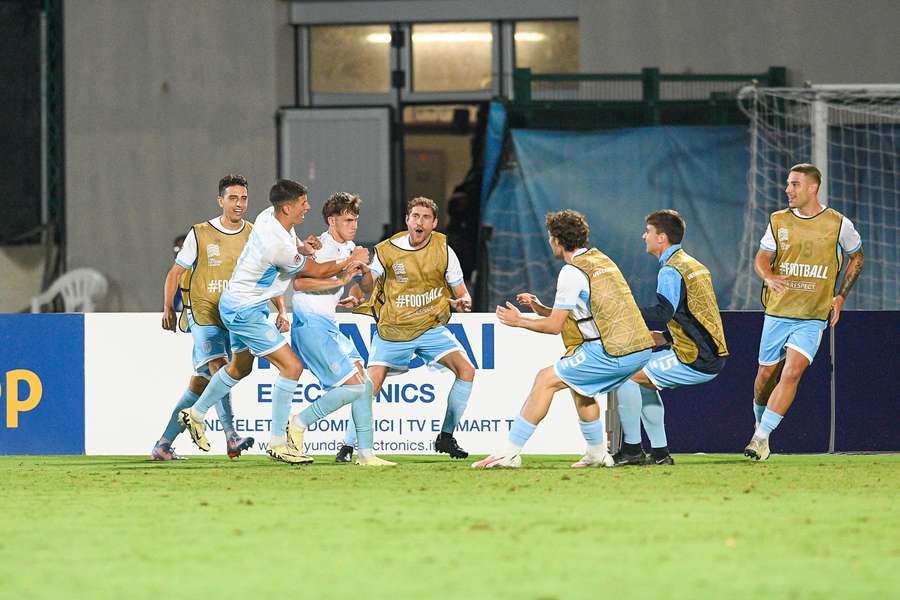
(825, 41)
(162, 99)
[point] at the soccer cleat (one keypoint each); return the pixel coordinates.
(374, 461)
(503, 461)
(757, 449)
(666, 460)
(286, 453)
(344, 455)
(165, 452)
(196, 429)
(237, 444)
(447, 444)
(624, 459)
(295, 436)
(595, 460)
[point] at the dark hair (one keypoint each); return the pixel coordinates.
(422, 201)
(286, 190)
(230, 180)
(339, 203)
(668, 222)
(808, 169)
(570, 229)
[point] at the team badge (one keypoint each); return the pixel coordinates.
(212, 251)
(400, 272)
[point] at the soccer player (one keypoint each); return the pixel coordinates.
(410, 303)
(687, 302)
(799, 258)
(316, 338)
(599, 321)
(203, 264)
(270, 260)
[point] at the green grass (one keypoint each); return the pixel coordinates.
(712, 526)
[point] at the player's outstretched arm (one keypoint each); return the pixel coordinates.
(531, 301)
(461, 301)
(169, 289)
(854, 268)
(553, 324)
(763, 267)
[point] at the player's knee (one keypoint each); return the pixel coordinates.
(465, 371)
(792, 373)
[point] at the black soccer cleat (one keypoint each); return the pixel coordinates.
(344, 455)
(446, 443)
(666, 460)
(624, 459)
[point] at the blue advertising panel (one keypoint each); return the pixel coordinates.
(42, 384)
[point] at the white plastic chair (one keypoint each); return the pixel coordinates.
(79, 289)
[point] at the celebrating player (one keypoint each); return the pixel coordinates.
(201, 270)
(411, 306)
(316, 338)
(687, 302)
(599, 320)
(798, 260)
(270, 260)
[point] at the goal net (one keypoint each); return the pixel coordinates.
(852, 134)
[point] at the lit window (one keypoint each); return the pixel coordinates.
(350, 59)
(547, 46)
(452, 57)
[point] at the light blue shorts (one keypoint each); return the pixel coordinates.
(325, 351)
(667, 372)
(431, 346)
(210, 342)
(250, 328)
(591, 371)
(779, 333)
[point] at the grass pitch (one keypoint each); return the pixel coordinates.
(712, 526)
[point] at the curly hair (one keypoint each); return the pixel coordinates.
(230, 180)
(570, 229)
(423, 201)
(339, 203)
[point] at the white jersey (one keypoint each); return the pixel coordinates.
(573, 293)
(848, 238)
(188, 253)
(324, 302)
(267, 265)
(453, 275)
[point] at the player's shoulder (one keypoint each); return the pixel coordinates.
(781, 212)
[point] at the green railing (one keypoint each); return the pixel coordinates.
(649, 93)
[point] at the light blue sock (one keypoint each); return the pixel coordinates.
(653, 416)
(520, 431)
(282, 396)
(330, 402)
(226, 416)
(456, 404)
(768, 423)
(758, 410)
(174, 427)
(594, 432)
(628, 397)
(218, 387)
(350, 436)
(361, 410)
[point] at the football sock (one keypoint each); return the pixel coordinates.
(758, 410)
(628, 397)
(768, 423)
(282, 396)
(327, 404)
(658, 453)
(456, 404)
(174, 427)
(226, 416)
(594, 433)
(520, 431)
(632, 449)
(218, 387)
(653, 417)
(361, 420)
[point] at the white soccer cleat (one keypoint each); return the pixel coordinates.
(374, 461)
(594, 460)
(506, 460)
